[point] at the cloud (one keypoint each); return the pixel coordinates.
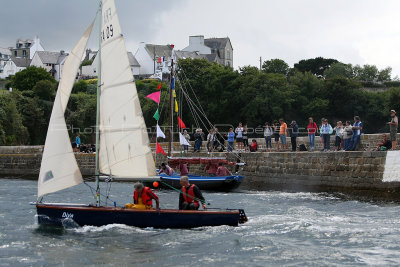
(357, 31)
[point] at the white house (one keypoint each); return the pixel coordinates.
(51, 61)
(13, 65)
(90, 71)
(196, 44)
(153, 58)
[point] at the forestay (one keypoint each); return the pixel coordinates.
(59, 169)
(124, 145)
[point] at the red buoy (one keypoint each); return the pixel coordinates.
(155, 184)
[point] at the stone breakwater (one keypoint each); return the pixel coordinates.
(370, 174)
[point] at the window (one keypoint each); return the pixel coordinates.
(1, 55)
(228, 54)
(228, 64)
(23, 53)
(15, 53)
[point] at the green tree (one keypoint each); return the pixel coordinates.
(339, 69)
(80, 87)
(45, 89)
(385, 75)
(316, 65)
(275, 66)
(27, 78)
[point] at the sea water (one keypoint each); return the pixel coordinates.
(292, 229)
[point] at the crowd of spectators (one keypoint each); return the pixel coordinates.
(346, 136)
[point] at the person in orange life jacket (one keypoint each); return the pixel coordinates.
(143, 196)
(222, 170)
(190, 197)
(166, 169)
(211, 168)
(183, 169)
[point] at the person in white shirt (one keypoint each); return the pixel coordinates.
(268, 132)
(239, 136)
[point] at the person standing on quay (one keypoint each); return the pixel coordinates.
(393, 124)
(339, 135)
(282, 133)
(268, 132)
(78, 140)
(347, 134)
(231, 140)
(294, 134)
(311, 129)
(357, 130)
(276, 127)
(320, 133)
(326, 131)
(187, 137)
(239, 136)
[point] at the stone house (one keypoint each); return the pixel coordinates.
(50, 61)
(218, 50)
(26, 48)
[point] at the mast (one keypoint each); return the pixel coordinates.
(171, 109)
(97, 170)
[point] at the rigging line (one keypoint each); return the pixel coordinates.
(204, 115)
(100, 193)
(180, 191)
(189, 104)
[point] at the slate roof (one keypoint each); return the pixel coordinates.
(187, 54)
(48, 57)
(21, 62)
(132, 60)
(5, 51)
(216, 43)
(160, 50)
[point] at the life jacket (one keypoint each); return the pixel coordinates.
(146, 199)
(189, 195)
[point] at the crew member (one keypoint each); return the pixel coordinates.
(190, 197)
(183, 169)
(166, 169)
(211, 168)
(143, 198)
(222, 170)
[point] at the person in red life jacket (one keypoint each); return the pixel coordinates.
(254, 146)
(222, 170)
(183, 169)
(190, 196)
(211, 168)
(143, 197)
(166, 169)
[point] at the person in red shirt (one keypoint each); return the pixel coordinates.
(254, 146)
(183, 169)
(222, 170)
(143, 198)
(311, 129)
(211, 168)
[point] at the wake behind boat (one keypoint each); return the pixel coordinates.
(121, 140)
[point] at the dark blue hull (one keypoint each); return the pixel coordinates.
(215, 183)
(55, 214)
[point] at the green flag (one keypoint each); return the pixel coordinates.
(156, 115)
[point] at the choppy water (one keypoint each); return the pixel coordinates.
(295, 229)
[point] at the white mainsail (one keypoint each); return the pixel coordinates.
(59, 169)
(124, 149)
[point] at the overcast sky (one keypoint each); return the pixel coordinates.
(352, 31)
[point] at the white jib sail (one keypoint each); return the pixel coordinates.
(59, 169)
(124, 149)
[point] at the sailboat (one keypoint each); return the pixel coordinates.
(123, 149)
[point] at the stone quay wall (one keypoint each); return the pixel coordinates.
(358, 172)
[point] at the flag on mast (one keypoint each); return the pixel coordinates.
(160, 132)
(181, 124)
(159, 149)
(182, 140)
(155, 97)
